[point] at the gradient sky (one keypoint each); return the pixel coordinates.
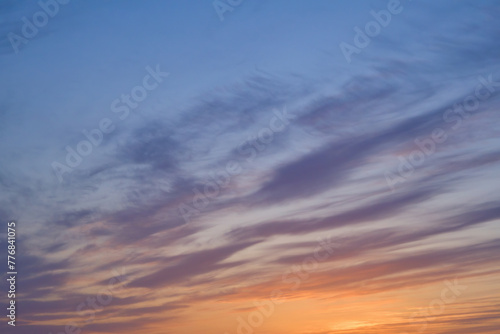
(373, 191)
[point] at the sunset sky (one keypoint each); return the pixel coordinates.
(240, 167)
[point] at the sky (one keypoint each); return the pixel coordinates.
(243, 166)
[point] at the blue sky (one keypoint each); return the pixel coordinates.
(373, 153)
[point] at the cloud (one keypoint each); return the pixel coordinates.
(188, 266)
(384, 207)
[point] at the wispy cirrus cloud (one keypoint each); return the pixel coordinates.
(323, 175)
